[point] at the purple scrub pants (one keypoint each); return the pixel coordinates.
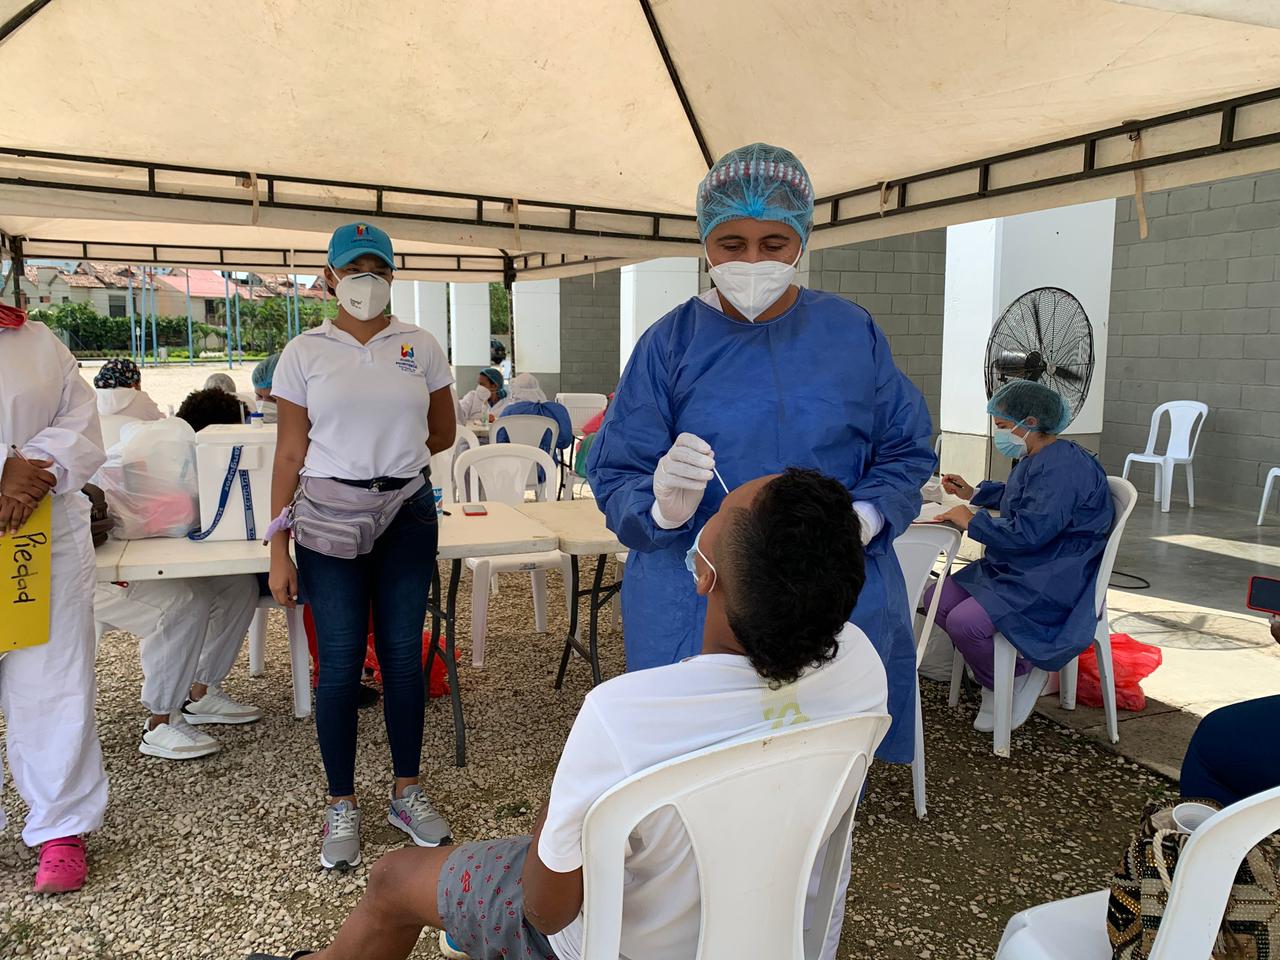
(970, 630)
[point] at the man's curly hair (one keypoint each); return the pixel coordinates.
(203, 407)
(795, 568)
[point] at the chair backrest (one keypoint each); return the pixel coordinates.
(502, 472)
(1186, 417)
(442, 462)
(1123, 496)
(582, 406)
(112, 424)
(1205, 875)
(918, 550)
(789, 789)
(524, 428)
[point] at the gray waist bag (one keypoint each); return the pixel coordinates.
(343, 521)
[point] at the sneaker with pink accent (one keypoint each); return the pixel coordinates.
(414, 814)
(340, 846)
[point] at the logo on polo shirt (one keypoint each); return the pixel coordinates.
(406, 361)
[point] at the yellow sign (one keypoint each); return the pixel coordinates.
(25, 559)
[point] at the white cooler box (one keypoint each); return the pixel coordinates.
(247, 490)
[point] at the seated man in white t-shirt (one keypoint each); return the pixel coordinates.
(781, 566)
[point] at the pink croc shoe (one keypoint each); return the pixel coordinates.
(63, 866)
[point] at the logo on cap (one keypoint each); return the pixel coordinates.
(360, 229)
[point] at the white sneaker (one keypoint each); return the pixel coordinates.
(985, 722)
(1026, 691)
(176, 740)
(216, 707)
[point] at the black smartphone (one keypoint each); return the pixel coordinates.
(1264, 595)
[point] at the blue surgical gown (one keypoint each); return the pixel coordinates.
(816, 387)
(1036, 580)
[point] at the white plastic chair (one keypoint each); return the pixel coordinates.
(1186, 417)
(1266, 492)
(525, 428)
(442, 462)
(1123, 498)
(299, 655)
(1076, 929)
(502, 471)
(582, 407)
(918, 550)
(791, 789)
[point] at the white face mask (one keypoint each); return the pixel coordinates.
(753, 287)
(363, 295)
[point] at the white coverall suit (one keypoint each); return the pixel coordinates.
(47, 692)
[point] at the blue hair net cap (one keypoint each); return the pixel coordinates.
(1019, 399)
(264, 371)
(757, 182)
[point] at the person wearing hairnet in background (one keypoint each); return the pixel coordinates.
(1035, 582)
(748, 379)
(261, 399)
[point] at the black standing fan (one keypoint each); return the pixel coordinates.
(1043, 336)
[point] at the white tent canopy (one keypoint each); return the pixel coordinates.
(581, 127)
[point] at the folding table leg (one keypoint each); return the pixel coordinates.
(574, 594)
(451, 665)
(595, 619)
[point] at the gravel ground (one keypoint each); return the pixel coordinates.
(211, 858)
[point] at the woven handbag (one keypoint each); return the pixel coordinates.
(1142, 881)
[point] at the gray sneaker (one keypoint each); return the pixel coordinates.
(414, 814)
(340, 848)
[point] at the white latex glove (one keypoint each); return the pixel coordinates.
(680, 481)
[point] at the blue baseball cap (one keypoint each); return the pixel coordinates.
(355, 240)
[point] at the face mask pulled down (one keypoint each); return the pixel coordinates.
(363, 295)
(753, 287)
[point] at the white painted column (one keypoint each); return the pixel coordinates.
(650, 290)
(989, 265)
(536, 309)
(423, 303)
(469, 316)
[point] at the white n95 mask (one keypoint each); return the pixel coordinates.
(753, 287)
(363, 295)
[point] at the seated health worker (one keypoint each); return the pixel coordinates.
(118, 390)
(261, 400)
(525, 398)
(487, 401)
(351, 395)
(1035, 581)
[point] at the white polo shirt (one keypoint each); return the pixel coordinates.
(367, 402)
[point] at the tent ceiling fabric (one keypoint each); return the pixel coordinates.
(570, 104)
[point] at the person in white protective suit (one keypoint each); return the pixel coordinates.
(47, 692)
(118, 386)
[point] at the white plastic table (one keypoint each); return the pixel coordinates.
(502, 531)
(580, 527)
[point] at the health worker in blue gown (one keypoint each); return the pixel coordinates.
(748, 379)
(1035, 582)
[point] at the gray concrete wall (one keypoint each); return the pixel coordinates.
(590, 321)
(1195, 315)
(899, 281)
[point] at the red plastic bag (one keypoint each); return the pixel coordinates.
(1133, 661)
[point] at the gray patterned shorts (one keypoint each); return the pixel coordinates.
(481, 902)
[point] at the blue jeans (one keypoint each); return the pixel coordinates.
(1234, 752)
(393, 579)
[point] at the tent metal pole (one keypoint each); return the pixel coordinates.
(239, 342)
(11, 26)
(674, 75)
(226, 321)
(133, 330)
(19, 271)
(191, 346)
(155, 312)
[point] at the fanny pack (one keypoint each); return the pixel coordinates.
(340, 519)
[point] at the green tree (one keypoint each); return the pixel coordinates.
(499, 309)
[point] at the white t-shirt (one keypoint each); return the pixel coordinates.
(636, 720)
(367, 402)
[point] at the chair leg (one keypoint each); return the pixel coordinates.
(1107, 678)
(1124, 474)
(538, 579)
(258, 643)
(957, 674)
(1067, 678)
(1191, 485)
(1166, 487)
(917, 762)
(1155, 483)
(299, 661)
(1266, 497)
(1005, 661)
(479, 611)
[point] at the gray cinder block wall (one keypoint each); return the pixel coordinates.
(899, 281)
(590, 324)
(1195, 315)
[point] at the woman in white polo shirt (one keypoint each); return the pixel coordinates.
(365, 400)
